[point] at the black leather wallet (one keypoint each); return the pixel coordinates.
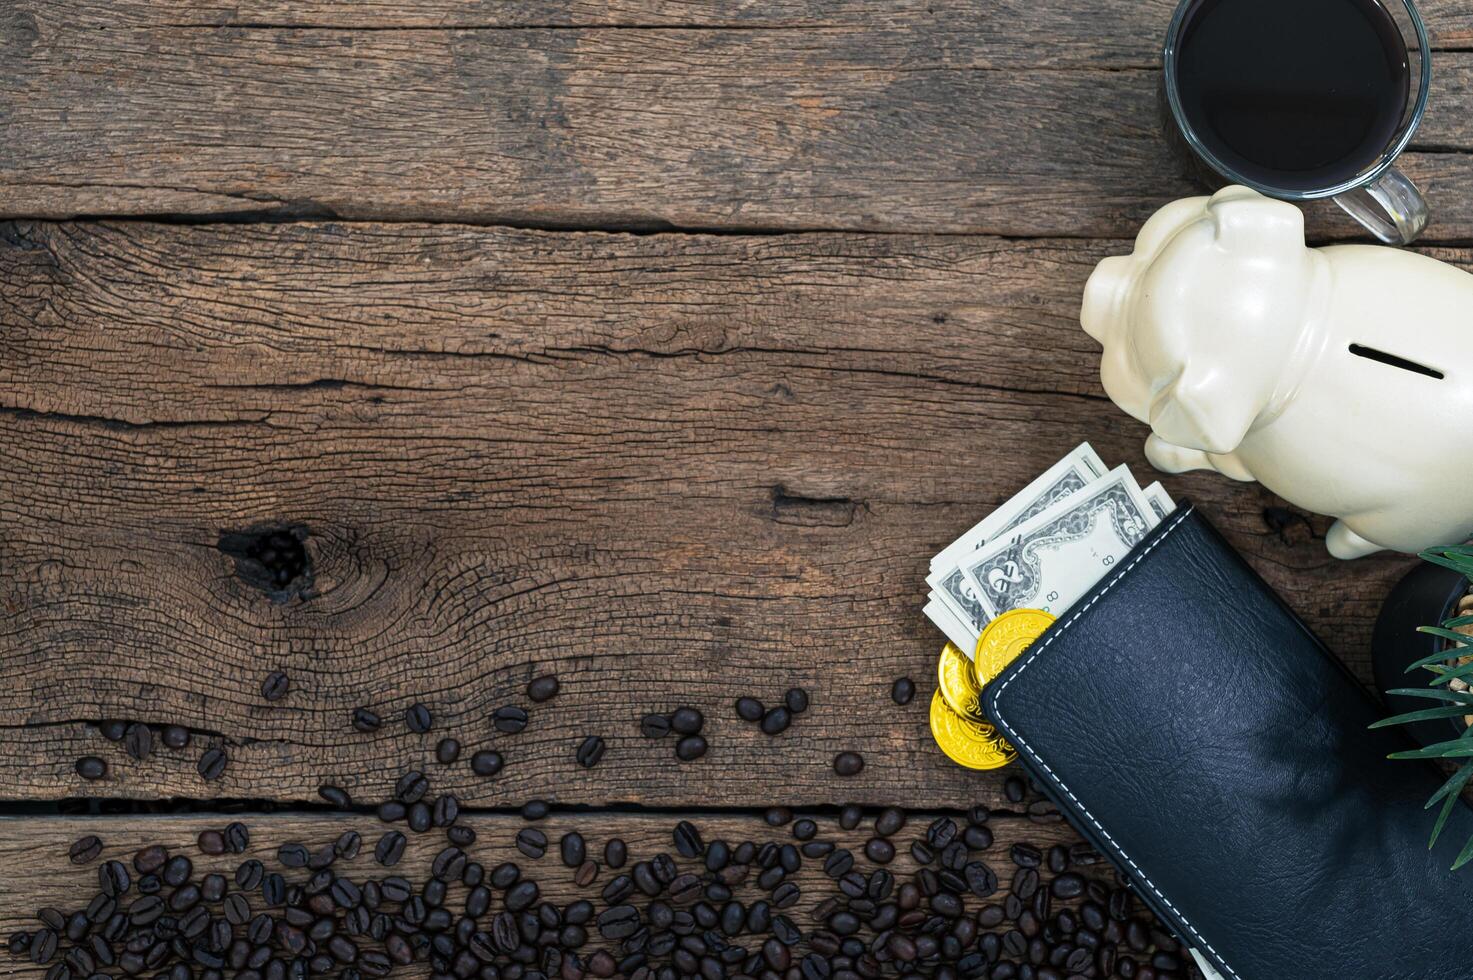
(1196, 731)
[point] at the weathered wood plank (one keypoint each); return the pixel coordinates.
(670, 468)
(33, 852)
(1015, 119)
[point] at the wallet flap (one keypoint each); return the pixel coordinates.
(1203, 738)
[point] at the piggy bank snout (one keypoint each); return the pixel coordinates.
(1105, 296)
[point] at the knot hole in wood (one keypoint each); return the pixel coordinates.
(273, 558)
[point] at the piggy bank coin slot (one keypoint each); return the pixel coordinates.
(1391, 360)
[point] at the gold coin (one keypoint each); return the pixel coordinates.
(973, 744)
(957, 683)
(1005, 638)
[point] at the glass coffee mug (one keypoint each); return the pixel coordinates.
(1303, 99)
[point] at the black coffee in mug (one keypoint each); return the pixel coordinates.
(1292, 94)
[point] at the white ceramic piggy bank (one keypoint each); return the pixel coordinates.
(1340, 378)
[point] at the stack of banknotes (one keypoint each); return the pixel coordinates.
(1004, 581)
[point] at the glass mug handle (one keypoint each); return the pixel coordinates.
(1391, 207)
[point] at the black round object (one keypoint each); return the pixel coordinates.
(1426, 596)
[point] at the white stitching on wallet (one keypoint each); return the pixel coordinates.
(1084, 810)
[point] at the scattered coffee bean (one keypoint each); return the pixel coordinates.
(654, 726)
(366, 720)
(690, 748)
(535, 810)
(616, 852)
(1014, 789)
(113, 729)
(543, 688)
(509, 719)
(778, 816)
(175, 736)
(848, 763)
(797, 700)
(776, 721)
(447, 751)
(85, 850)
(418, 718)
(275, 686)
(890, 821)
(486, 763)
(590, 751)
(335, 796)
(138, 741)
(903, 691)
(91, 767)
(749, 709)
(850, 816)
(686, 721)
(210, 842)
(211, 765)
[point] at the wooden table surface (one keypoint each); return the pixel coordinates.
(653, 344)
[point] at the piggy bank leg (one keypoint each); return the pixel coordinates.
(1345, 543)
(1175, 459)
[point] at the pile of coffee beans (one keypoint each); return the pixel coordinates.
(790, 903)
(139, 741)
(774, 720)
(684, 721)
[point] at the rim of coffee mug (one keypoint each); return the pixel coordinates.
(1388, 158)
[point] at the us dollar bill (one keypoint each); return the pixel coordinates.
(1049, 561)
(947, 580)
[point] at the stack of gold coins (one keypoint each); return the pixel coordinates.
(957, 722)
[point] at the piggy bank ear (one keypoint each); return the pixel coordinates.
(1205, 411)
(1247, 222)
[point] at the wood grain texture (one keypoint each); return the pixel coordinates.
(669, 468)
(1011, 118)
(38, 874)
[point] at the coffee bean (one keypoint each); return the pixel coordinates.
(366, 720)
(586, 874)
(486, 763)
(535, 810)
(275, 686)
(1014, 789)
(850, 815)
(805, 829)
(903, 690)
(113, 729)
(890, 821)
(175, 736)
(654, 726)
(335, 796)
(686, 721)
(237, 837)
(590, 751)
(879, 850)
(418, 718)
(749, 709)
(776, 721)
(411, 787)
(688, 840)
(149, 859)
(521, 895)
(690, 747)
(543, 688)
(532, 842)
(138, 741)
(389, 849)
(838, 863)
(1026, 855)
(1068, 885)
(848, 763)
(418, 817)
(509, 719)
(616, 852)
(797, 700)
(91, 767)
